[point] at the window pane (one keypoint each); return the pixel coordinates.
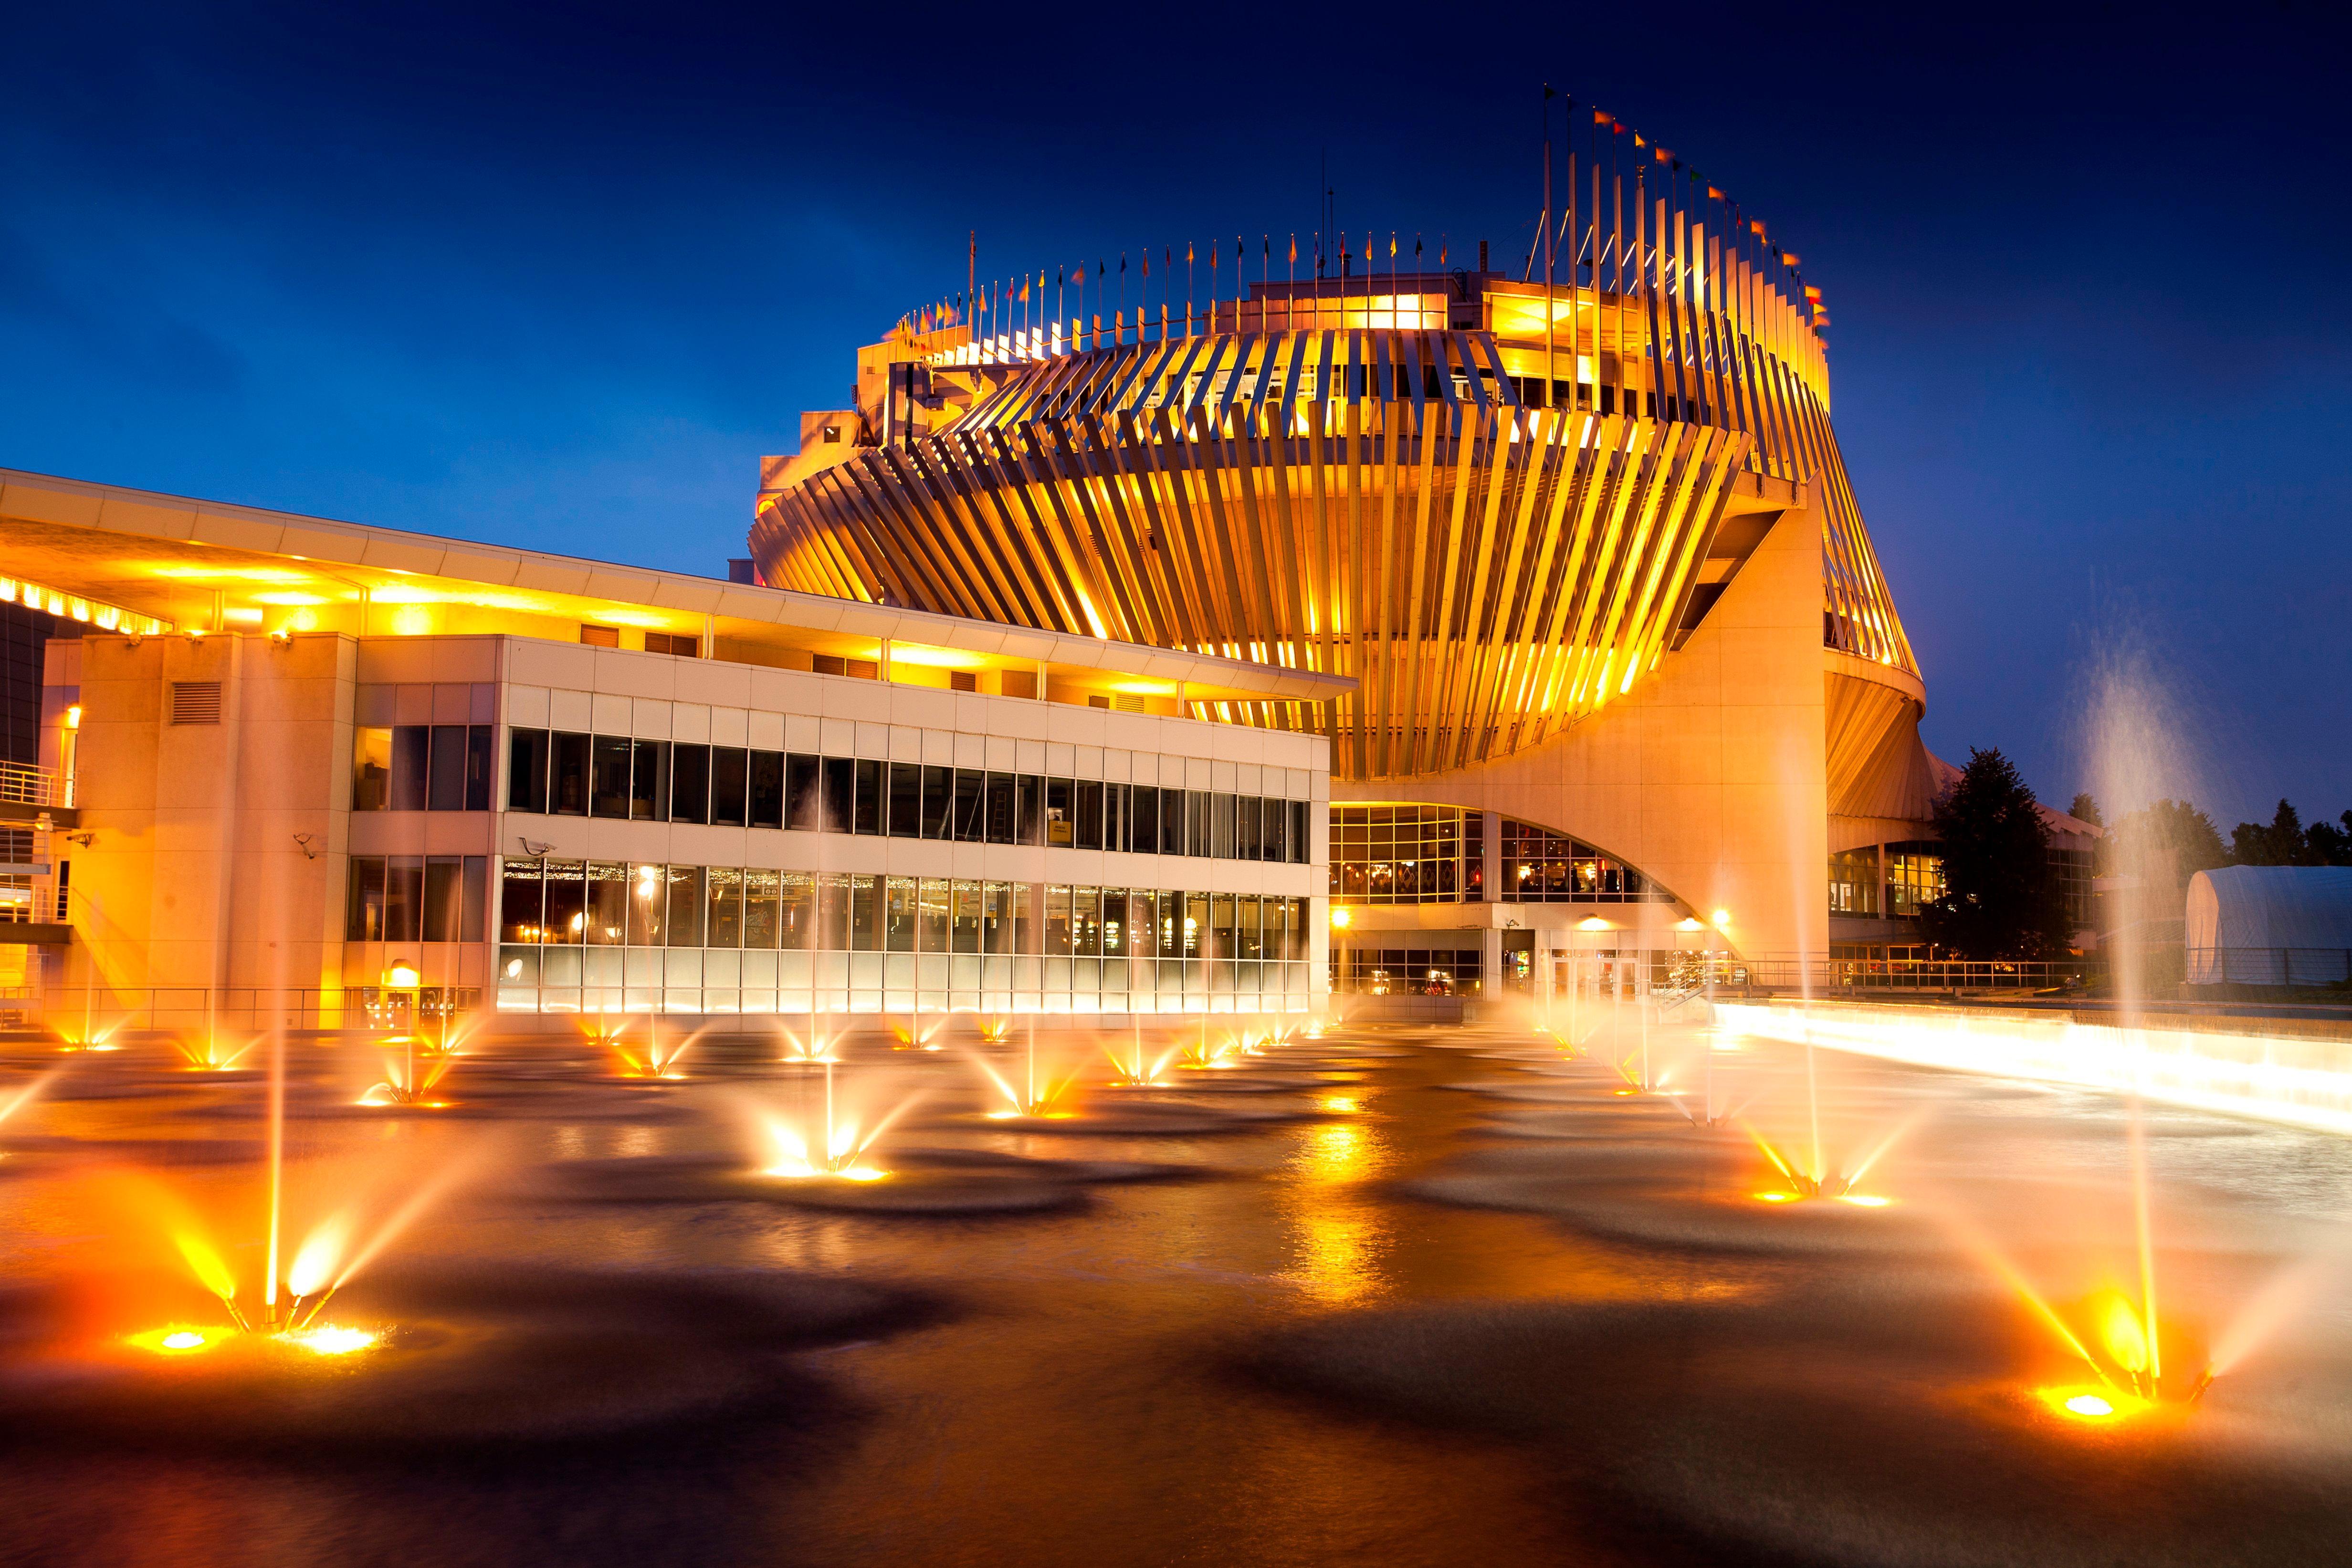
(796, 918)
(412, 744)
(611, 786)
(964, 929)
(1114, 823)
(648, 908)
(840, 788)
(866, 913)
(527, 770)
(1248, 937)
(371, 769)
(689, 787)
(446, 779)
(1031, 827)
(905, 785)
(1057, 922)
(1114, 921)
(404, 897)
(1026, 933)
(767, 790)
(939, 802)
(762, 910)
(567, 786)
(865, 812)
(729, 786)
(1091, 814)
(899, 914)
(607, 925)
(363, 911)
(723, 926)
(1143, 826)
(970, 793)
(803, 798)
(1059, 812)
(567, 901)
(833, 912)
(931, 916)
(996, 917)
(684, 906)
(519, 905)
(649, 781)
(1171, 822)
(1273, 824)
(478, 768)
(475, 894)
(1201, 834)
(1302, 832)
(1001, 810)
(442, 890)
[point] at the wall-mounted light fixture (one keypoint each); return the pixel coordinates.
(308, 843)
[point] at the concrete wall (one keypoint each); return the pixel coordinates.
(1708, 776)
(194, 875)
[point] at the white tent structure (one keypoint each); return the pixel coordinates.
(2269, 926)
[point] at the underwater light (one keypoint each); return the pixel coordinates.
(177, 1340)
(2094, 1406)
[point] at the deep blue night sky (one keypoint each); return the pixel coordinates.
(557, 278)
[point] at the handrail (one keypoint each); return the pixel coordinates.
(21, 784)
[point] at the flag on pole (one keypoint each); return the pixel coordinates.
(1791, 259)
(1714, 194)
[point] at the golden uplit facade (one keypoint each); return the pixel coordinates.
(1507, 514)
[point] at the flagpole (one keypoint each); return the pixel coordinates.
(1551, 363)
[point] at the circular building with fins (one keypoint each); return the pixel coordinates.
(1627, 675)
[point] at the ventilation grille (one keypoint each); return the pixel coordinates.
(195, 702)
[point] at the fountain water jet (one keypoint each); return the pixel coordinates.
(837, 1151)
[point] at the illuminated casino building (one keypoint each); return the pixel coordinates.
(1623, 672)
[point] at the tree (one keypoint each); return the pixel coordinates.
(2330, 843)
(2161, 846)
(2086, 808)
(2285, 840)
(2001, 897)
(2279, 842)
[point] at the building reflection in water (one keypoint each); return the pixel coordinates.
(1342, 1238)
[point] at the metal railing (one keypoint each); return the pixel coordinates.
(23, 785)
(102, 1012)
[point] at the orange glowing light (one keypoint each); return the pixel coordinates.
(2093, 1407)
(177, 1340)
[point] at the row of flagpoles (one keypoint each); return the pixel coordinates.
(1063, 308)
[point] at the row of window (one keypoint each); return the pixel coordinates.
(1408, 854)
(417, 898)
(1913, 876)
(1543, 867)
(1437, 854)
(421, 768)
(719, 980)
(562, 773)
(1405, 971)
(610, 904)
